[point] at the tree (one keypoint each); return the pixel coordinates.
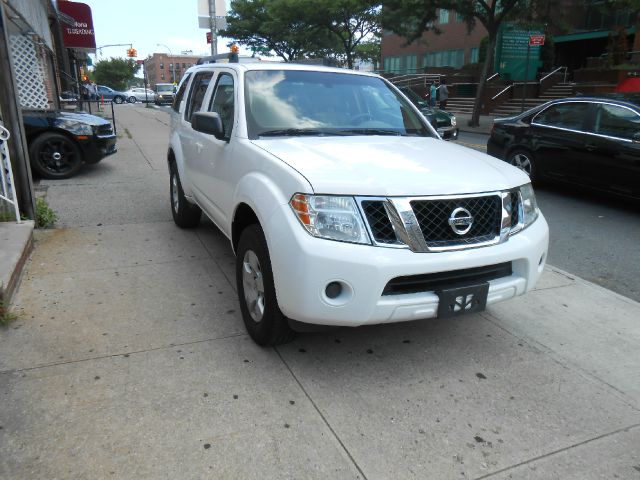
(115, 72)
(369, 51)
(411, 18)
(351, 21)
(282, 26)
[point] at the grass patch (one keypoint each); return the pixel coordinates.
(45, 216)
(6, 315)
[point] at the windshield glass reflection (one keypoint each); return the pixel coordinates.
(296, 103)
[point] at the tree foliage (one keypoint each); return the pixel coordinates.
(116, 73)
(411, 18)
(295, 29)
(285, 27)
(369, 51)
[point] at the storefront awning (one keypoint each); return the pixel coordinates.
(575, 37)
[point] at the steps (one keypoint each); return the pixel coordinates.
(458, 105)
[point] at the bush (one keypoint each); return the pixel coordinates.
(45, 216)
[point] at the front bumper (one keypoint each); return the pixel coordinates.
(98, 147)
(303, 266)
(448, 133)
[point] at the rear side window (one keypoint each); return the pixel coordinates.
(180, 93)
(616, 121)
(571, 116)
(196, 95)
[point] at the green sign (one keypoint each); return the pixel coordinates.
(511, 53)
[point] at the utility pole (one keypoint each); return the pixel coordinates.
(212, 27)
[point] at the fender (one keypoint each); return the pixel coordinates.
(176, 147)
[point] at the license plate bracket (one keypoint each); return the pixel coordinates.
(462, 300)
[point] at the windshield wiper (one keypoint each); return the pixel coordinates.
(294, 132)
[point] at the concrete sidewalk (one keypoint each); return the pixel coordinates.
(484, 127)
(130, 360)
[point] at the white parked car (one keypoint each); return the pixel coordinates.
(138, 94)
(342, 204)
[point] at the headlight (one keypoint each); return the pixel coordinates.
(330, 217)
(453, 121)
(529, 205)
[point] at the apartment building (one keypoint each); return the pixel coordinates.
(165, 68)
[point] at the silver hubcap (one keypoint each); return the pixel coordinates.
(523, 162)
(174, 192)
(253, 285)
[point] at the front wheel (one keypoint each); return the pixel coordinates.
(118, 100)
(264, 321)
(185, 214)
(525, 161)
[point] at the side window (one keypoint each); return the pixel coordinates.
(564, 115)
(178, 98)
(223, 102)
(196, 95)
(616, 121)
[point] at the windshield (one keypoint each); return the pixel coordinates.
(293, 103)
(164, 88)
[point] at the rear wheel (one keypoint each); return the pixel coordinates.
(264, 321)
(55, 156)
(525, 161)
(132, 99)
(185, 214)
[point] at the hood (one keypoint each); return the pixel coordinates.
(392, 166)
(60, 116)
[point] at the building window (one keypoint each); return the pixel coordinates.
(184, 65)
(162, 66)
(445, 58)
(162, 76)
(171, 65)
(459, 17)
(444, 16)
(474, 55)
(411, 63)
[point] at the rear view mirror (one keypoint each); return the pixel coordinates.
(208, 122)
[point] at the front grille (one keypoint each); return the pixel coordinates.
(105, 129)
(379, 222)
(515, 217)
(456, 278)
(433, 218)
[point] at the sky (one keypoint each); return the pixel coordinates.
(145, 24)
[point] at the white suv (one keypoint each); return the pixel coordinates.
(342, 204)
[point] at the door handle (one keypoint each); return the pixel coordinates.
(590, 147)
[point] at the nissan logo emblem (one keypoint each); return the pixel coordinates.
(460, 221)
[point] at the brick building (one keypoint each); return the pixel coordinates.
(583, 35)
(164, 68)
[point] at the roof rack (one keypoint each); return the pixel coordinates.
(231, 57)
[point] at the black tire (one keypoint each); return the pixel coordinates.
(185, 214)
(524, 160)
(132, 99)
(264, 321)
(55, 156)
(118, 99)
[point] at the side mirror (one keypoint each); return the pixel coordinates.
(208, 122)
(636, 137)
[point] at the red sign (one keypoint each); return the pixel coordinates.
(536, 40)
(140, 62)
(77, 25)
(208, 37)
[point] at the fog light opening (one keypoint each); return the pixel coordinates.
(333, 290)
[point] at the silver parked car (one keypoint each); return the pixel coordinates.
(138, 94)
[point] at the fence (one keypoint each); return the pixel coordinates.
(7, 189)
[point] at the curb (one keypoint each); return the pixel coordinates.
(17, 240)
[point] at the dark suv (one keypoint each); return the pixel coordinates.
(60, 142)
(588, 141)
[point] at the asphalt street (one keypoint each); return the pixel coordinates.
(129, 360)
(593, 235)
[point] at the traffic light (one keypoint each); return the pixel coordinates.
(132, 53)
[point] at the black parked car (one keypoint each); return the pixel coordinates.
(592, 142)
(444, 122)
(60, 142)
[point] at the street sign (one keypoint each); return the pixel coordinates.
(536, 40)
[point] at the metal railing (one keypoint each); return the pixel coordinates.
(7, 187)
(553, 73)
(502, 91)
(497, 74)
